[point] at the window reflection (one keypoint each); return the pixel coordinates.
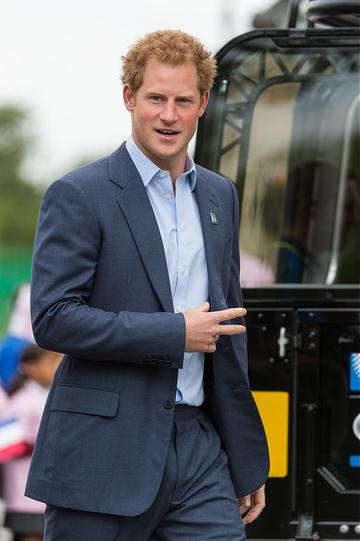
(289, 140)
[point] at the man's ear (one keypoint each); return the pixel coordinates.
(129, 98)
(204, 99)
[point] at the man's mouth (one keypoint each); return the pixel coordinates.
(167, 132)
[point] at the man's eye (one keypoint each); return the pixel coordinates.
(156, 98)
(184, 100)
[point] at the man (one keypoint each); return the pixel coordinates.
(150, 430)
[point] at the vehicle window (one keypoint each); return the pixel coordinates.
(290, 135)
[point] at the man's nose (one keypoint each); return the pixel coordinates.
(169, 112)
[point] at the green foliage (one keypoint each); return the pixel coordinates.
(19, 203)
(19, 200)
(13, 142)
(15, 269)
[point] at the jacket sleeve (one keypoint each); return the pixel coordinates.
(67, 246)
(235, 297)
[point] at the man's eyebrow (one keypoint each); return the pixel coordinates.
(164, 95)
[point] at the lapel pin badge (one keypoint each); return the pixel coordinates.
(213, 218)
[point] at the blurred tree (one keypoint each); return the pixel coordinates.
(19, 203)
(19, 200)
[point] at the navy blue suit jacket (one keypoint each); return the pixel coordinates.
(101, 295)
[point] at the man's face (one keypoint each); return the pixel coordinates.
(165, 110)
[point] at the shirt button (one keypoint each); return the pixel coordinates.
(168, 404)
(179, 307)
(163, 174)
(182, 229)
(168, 196)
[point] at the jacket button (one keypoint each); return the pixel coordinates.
(168, 404)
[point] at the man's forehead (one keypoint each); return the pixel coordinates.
(168, 75)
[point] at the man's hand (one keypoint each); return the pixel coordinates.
(252, 505)
(203, 328)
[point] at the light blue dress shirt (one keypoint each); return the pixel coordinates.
(178, 219)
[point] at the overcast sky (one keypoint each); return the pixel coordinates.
(60, 59)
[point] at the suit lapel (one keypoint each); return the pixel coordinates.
(213, 232)
(136, 207)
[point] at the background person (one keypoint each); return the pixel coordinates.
(19, 334)
(28, 394)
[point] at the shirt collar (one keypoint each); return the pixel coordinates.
(148, 169)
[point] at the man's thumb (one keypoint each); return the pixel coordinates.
(205, 307)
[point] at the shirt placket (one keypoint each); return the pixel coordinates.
(183, 255)
(183, 203)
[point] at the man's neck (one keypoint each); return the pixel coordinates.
(175, 167)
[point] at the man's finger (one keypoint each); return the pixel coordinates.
(245, 500)
(244, 503)
(253, 513)
(231, 329)
(211, 348)
(229, 313)
(257, 505)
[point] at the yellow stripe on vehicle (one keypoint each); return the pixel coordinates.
(274, 411)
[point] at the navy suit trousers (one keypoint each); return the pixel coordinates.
(196, 500)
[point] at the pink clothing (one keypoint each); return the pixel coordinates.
(27, 405)
(254, 272)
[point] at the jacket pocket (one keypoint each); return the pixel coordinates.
(87, 400)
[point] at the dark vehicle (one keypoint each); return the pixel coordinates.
(283, 124)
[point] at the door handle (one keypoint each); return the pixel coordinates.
(282, 342)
